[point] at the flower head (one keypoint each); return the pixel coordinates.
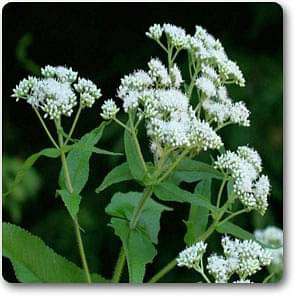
(109, 109)
(191, 256)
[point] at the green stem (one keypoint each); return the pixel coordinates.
(174, 165)
(73, 125)
(220, 192)
(266, 280)
(71, 190)
(139, 208)
(163, 271)
(223, 125)
(119, 266)
(122, 124)
(234, 215)
(46, 129)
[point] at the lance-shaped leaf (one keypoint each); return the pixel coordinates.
(118, 174)
(29, 162)
(198, 215)
(190, 170)
(79, 157)
(34, 262)
(71, 201)
(168, 191)
(122, 205)
(138, 248)
(134, 156)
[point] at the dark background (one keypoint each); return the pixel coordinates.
(104, 42)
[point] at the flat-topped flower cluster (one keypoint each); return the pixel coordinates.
(244, 166)
(56, 92)
(243, 258)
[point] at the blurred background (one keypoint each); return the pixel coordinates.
(104, 42)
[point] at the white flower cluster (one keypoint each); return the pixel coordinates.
(176, 35)
(54, 94)
(216, 71)
(243, 258)
(249, 185)
(109, 109)
(219, 107)
(170, 119)
(203, 46)
(88, 92)
(191, 256)
(273, 237)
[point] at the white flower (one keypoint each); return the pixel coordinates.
(88, 92)
(60, 73)
(159, 72)
(54, 93)
(131, 101)
(109, 109)
(244, 258)
(206, 86)
(217, 267)
(239, 114)
(24, 88)
(177, 35)
(155, 32)
(245, 167)
(53, 97)
(210, 72)
(191, 256)
(176, 77)
(231, 71)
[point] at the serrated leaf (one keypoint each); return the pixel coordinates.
(168, 191)
(29, 162)
(118, 174)
(198, 216)
(71, 201)
(33, 261)
(122, 206)
(133, 155)
(79, 157)
(138, 248)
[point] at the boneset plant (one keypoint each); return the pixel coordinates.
(183, 117)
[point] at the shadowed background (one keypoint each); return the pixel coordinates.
(103, 42)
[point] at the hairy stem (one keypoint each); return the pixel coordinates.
(71, 190)
(73, 125)
(45, 128)
(119, 266)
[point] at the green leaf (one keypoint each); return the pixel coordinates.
(118, 174)
(71, 201)
(190, 170)
(138, 248)
(122, 206)
(33, 261)
(168, 191)
(48, 152)
(79, 157)
(133, 155)
(105, 152)
(198, 216)
(228, 227)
